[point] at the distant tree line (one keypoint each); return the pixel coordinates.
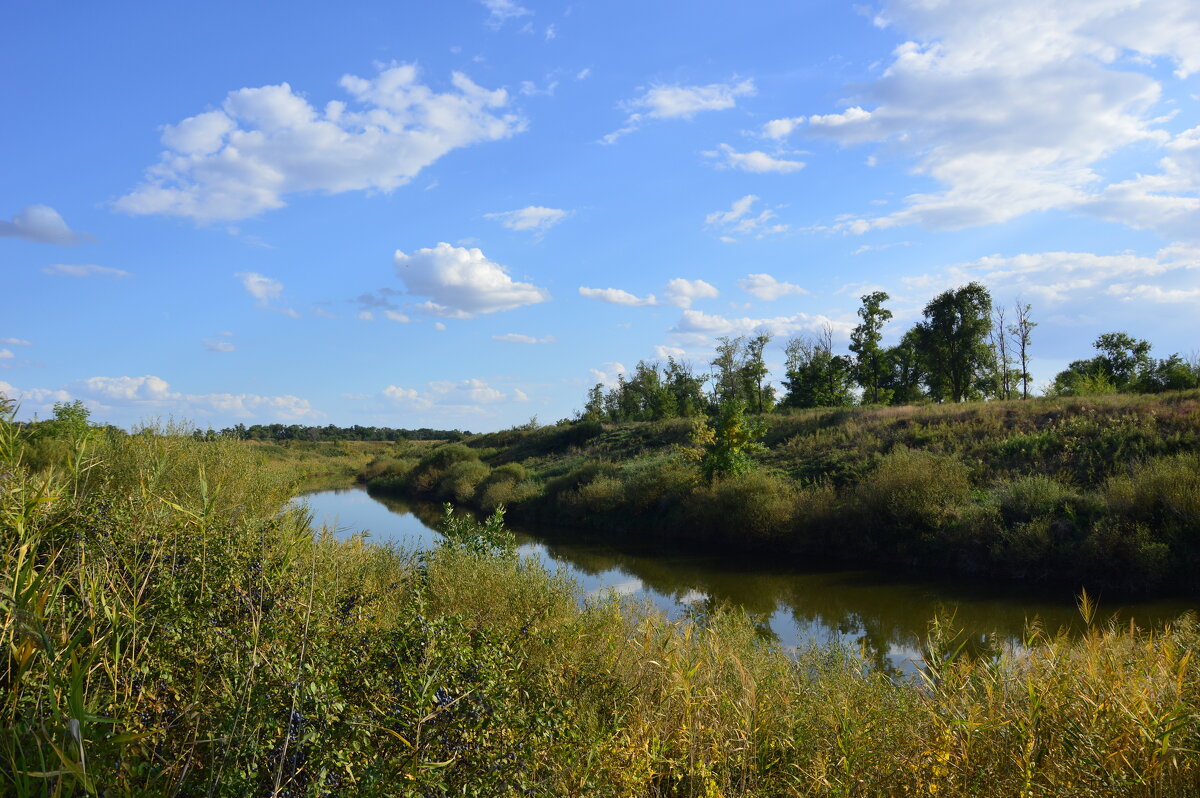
(330, 432)
(965, 348)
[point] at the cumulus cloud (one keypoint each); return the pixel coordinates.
(533, 218)
(755, 161)
(86, 270)
(767, 288)
(1010, 106)
(617, 296)
(741, 220)
(681, 293)
(269, 142)
(462, 282)
(1059, 277)
(518, 338)
(42, 224)
(696, 325)
(132, 397)
(679, 102)
(447, 396)
(6, 354)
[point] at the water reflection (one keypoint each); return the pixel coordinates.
(886, 616)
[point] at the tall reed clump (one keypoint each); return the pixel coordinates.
(170, 625)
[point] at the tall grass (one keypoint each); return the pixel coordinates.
(170, 625)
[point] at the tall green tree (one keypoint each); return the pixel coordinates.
(727, 382)
(870, 364)
(815, 376)
(760, 396)
(687, 388)
(953, 342)
(906, 375)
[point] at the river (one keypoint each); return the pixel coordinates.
(884, 615)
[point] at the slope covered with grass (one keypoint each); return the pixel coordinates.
(1101, 492)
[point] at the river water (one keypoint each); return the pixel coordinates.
(883, 615)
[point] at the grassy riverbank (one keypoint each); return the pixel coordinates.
(1100, 491)
(170, 625)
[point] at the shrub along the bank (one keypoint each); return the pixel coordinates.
(1099, 492)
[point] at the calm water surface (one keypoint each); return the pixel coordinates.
(883, 615)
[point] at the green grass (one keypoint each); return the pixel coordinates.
(171, 626)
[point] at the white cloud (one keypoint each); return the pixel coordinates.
(1059, 277)
(15, 342)
(518, 338)
(535, 218)
(583, 74)
(365, 315)
(681, 293)
(609, 372)
(781, 128)
(268, 142)
(6, 354)
(1153, 293)
(755, 161)
(462, 282)
(679, 102)
(131, 397)
(738, 220)
(396, 316)
(262, 288)
(695, 324)
(669, 351)
(501, 11)
(469, 395)
(86, 270)
(1010, 106)
(618, 296)
(40, 223)
(767, 288)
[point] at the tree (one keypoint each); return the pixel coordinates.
(754, 372)
(870, 365)
(905, 370)
(724, 450)
(1021, 333)
(953, 342)
(1122, 360)
(727, 382)
(70, 420)
(686, 387)
(815, 376)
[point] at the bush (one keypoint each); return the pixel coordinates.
(1026, 498)
(752, 508)
(914, 489)
(461, 479)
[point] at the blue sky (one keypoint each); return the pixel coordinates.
(463, 214)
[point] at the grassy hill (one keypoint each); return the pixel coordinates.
(1100, 491)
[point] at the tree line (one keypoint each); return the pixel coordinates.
(331, 432)
(965, 348)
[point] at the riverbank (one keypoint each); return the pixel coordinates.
(1102, 492)
(171, 625)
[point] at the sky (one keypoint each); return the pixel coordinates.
(464, 213)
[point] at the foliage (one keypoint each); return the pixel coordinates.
(953, 343)
(815, 376)
(865, 342)
(723, 449)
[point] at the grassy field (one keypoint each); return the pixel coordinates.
(172, 626)
(1101, 491)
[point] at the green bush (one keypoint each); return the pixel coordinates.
(914, 489)
(1026, 498)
